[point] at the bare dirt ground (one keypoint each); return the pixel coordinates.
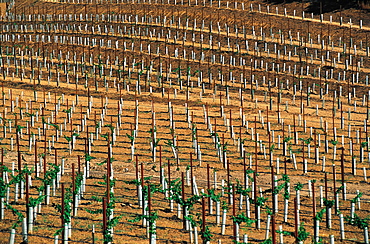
(20, 105)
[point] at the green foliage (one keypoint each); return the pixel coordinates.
(191, 220)
(98, 211)
(150, 218)
(341, 188)
(53, 125)
(269, 210)
(320, 241)
(17, 178)
(67, 111)
(110, 126)
(29, 114)
(328, 203)
(3, 188)
(3, 168)
(105, 136)
(75, 134)
(224, 147)
(69, 139)
(153, 188)
(50, 176)
(152, 131)
(248, 173)
(33, 202)
(96, 198)
(88, 157)
(356, 198)
(357, 221)
(267, 241)
(97, 125)
(272, 148)
(298, 186)
(112, 182)
(224, 205)
(307, 141)
(302, 233)
(364, 144)
(319, 215)
(287, 139)
(67, 206)
(242, 218)
(16, 213)
(211, 194)
(334, 142)
(19, 128)
(285, 233)
(284, 185)
(44, 122)
(131, 137)
(206, 235)
(194, 132)
(133, 182)
(189, 203)
(156, 142)
(260, 201)
(176, 70)
(227, 189)
(59, 232)
(239, 189)
(153, 216)
(108, 237)
(78, 183)
(215, 135)
(170, 144)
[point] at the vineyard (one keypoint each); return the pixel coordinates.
(183, 121)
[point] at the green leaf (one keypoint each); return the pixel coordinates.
(302, 233)
(16, 213)
(320, 214)
(356, 198)
(357, 221)
(88, 157)
(131, 137)
(242, 218)
(364, 144)
(105, 136)
(69, 139)
(98, 211)
(334, 142)
(33, 202)
(68, 111)
(260, 201)
(267, 241)
(111, 127)
(298, 186)
(206, 235)
(19, 128)
(307, 141)
(285, 233)
(328, 203)
(287, 139)
(3, 188)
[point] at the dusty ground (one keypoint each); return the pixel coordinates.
(169, 227)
